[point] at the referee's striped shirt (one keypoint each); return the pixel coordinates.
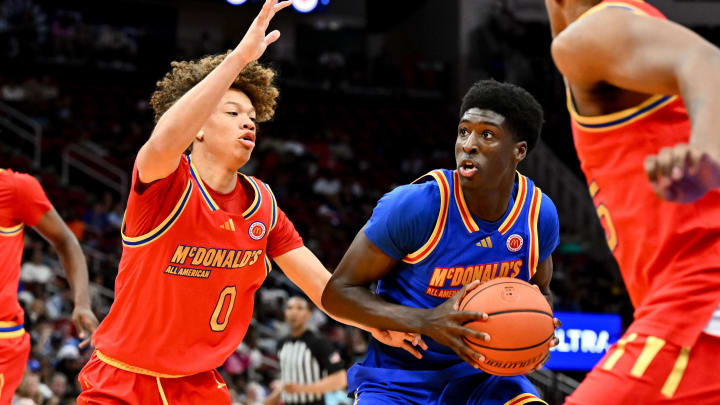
(304, 360)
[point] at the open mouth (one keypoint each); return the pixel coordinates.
(247, 139)
(467, 168)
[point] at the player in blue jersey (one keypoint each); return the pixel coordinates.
(427, 240)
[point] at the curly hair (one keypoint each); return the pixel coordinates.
(523, 113)
(255, 80)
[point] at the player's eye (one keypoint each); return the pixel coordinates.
(463, 131)
(253, 119)
(486, 134)
(232, 113)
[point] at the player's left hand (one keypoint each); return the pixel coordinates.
(683, 173)
(86, 323)
(404, 340)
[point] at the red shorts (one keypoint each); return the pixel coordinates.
(104, 384)
(14, 354)
(647, 370)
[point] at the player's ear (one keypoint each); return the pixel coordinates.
(520, 151)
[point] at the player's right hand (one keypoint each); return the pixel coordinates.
(683, 173)
(255, 41)
(86, 323)
(444, 324)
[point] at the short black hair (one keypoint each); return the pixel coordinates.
(523, 113)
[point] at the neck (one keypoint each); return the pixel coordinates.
(297, 332)
(490, 204)
(219, 178)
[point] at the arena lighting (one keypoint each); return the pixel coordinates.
(305, 6)
(236, 2)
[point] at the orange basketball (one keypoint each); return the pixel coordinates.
(520, 325)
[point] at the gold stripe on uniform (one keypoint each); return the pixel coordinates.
(524, 398)
(673, 380)
(162, 393)
(619, 351)
(652, 346)
(11, 230)
(127, 367)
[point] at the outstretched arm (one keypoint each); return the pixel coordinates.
(653, 56)
(175, 130)
(347, 295)
(304, 269)
(54, 230)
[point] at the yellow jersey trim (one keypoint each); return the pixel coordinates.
(524, 399)
(203, 190)
(533, 224)
(133, 369)
(613, 4)
(162, 392)
(273, 221)
(465, 213)
(420, 254)
(619, 351)
(653, 345)
(673, 380)
(165, 225)
(11, 230)
(254, 207)
(517, 207)
(607, 122)
(9, 330)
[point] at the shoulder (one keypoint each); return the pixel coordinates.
(412, 197)
(588, 44)
(547, 206)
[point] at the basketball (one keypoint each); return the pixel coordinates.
(520, 325)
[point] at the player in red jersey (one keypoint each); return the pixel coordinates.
(23, 203)
(198, 237)
(636, 82)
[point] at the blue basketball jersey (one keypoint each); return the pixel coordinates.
(458, 250)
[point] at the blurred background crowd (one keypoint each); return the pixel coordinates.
(369, 97)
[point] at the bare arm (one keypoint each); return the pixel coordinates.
(304, 269)
(54, 230)
(332, 382)
(542, 278)
(176, 128)
(347, 295)
(653, 56)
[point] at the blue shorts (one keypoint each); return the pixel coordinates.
(460, 384)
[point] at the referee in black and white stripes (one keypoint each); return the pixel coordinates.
(309, 365)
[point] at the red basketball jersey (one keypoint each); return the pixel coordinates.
(22, 202)
(184, 290)
(668, 253)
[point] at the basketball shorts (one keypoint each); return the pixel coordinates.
(14, 353)
(403, 387)
(105, 384)
(648, 370)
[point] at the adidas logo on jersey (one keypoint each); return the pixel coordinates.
(486, 242)
(228, 225)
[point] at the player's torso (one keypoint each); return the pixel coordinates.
(460, 251)
(11, 249)
(184, 291)
(644, 233)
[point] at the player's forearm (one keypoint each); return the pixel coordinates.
(333, 382)
(75, 266)
(181, 122)
(359, 304)
(702, 98)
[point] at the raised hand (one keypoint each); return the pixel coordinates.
(404, 340)
(444, 324)
(255, 41)
(682, 173)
